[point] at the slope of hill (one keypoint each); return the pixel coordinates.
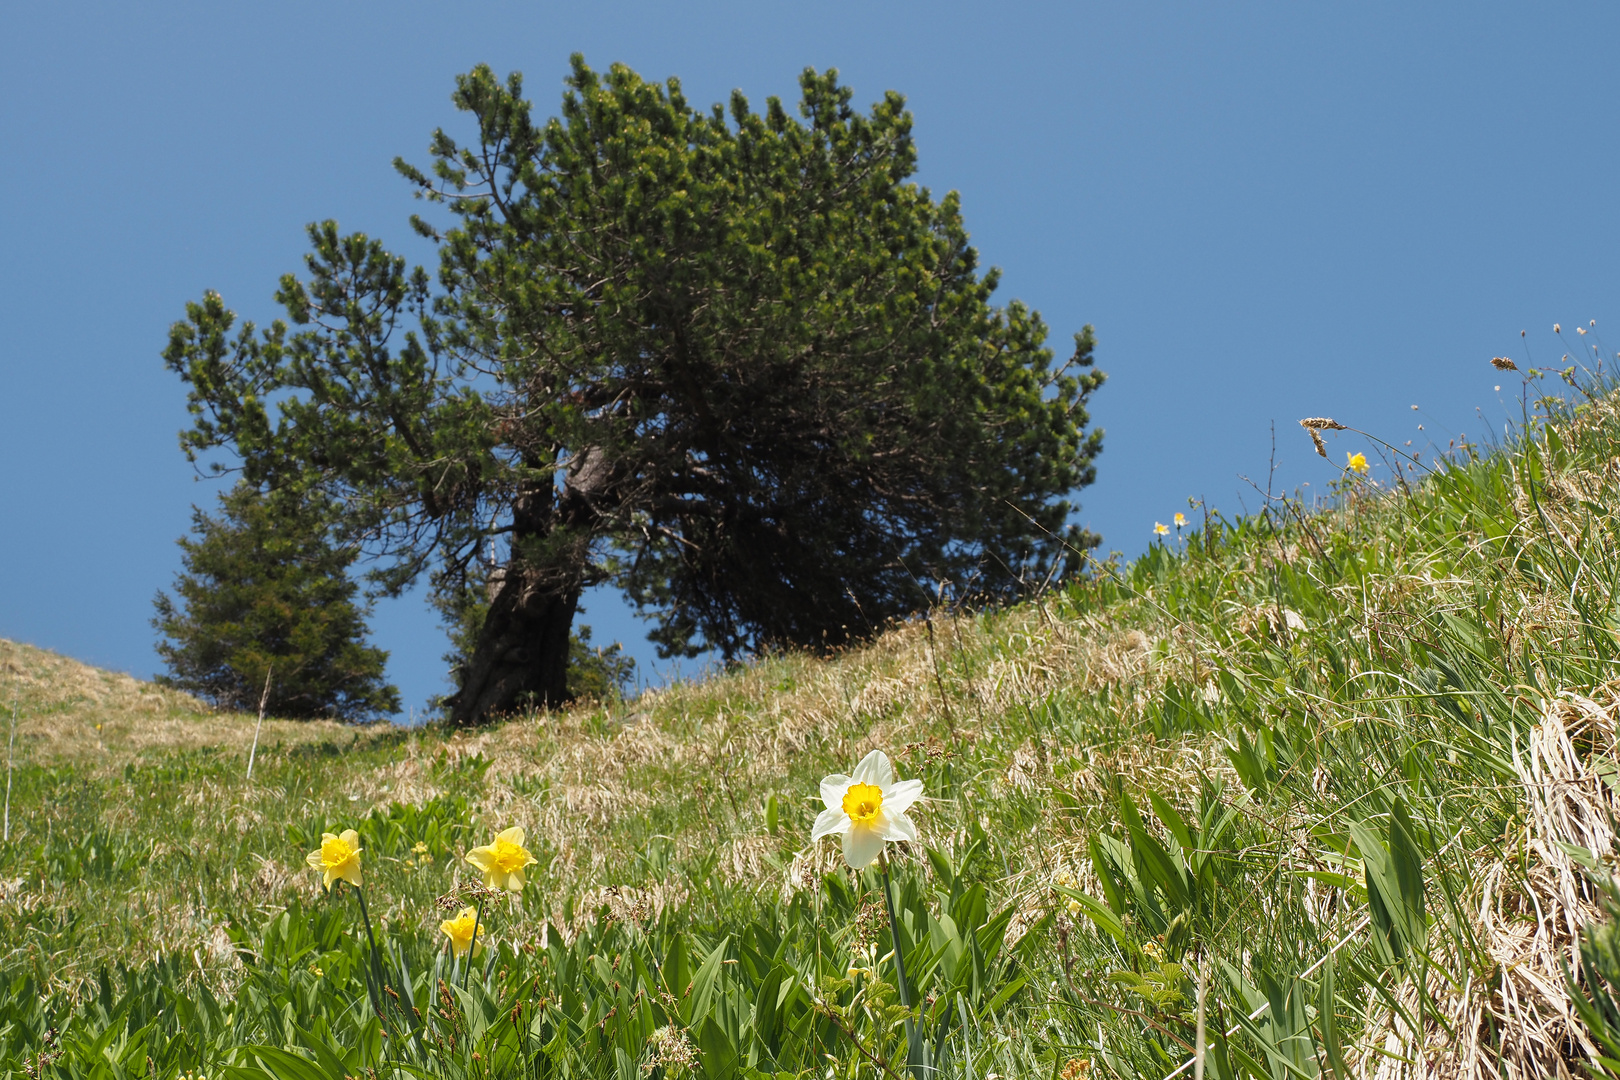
(1345, 777)
(68, 712)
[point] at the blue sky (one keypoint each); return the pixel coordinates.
(1268, 211)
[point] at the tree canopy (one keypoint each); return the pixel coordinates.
(735, 362)
(267, 601)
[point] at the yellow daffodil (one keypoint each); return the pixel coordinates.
(867, 809)
(1181, 520)
(1161, 528)
(503, 860)
(1356, 463)
(338, 857)
(460, 932)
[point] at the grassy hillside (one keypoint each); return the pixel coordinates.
(72, 713)
(1350, 772)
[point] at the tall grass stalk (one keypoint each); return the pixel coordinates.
(11, 754)
(264, 699)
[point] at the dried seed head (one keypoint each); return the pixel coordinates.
(478, 892)
(1502, 363)
(1321, 423)
(1557, 329)
(1321, 447)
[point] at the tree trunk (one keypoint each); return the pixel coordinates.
(521, 660)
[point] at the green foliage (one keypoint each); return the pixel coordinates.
(736, 362)
(778, 993)
(264, 596)
(596, 672)
(1597, 996)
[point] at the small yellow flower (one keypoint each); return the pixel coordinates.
(1161, 528)
(338, 857)
(1356, 463)
(1181, 520)
(1152, 951)
(503, 860)
(315, 971)
(419, 848)
(460, 932)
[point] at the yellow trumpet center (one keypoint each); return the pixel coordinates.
(335, 852)
(508, 856)
(862, 802)
(461, 927)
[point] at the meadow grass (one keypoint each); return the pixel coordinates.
(1346, 773)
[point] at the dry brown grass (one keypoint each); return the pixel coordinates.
(72, 713)
(584, 776)
(1526, 911)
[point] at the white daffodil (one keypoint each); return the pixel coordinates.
(867, 809)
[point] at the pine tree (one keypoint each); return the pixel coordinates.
(265, 596)
(739, 364)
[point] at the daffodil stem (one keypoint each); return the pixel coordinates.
(914, 1049)
(472, 946)
(376, 962)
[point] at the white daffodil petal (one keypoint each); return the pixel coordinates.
(832, 790)
(898, 798)
(829, 821)
(897, 826)
(875, 769)
(862, 846)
